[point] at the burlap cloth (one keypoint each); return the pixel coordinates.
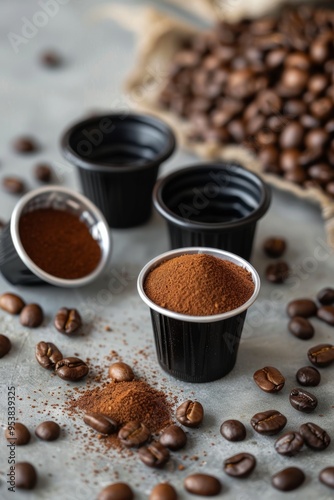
(159, 37)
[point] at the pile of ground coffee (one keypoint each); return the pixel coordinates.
(199, 285)
(124, 402)
(59, 243)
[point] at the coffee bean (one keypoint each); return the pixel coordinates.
(302, 400)
(31, 316)
(47, 355)
(190, 413)
(154, 455)
(43, 172)
(308, 376)
(298, 60)
(269, 379)
(321, 172)
(163, 491)
(278, 272)
(325, 296)
(25, 476)
(25, 145)
(51, 59)
(289, 444)
(240, 465)
(326, 313)
(48, 431)
(13, 185)
(71, 369)
(5, 345)
(269, 422)
(203, 485)
(173, 438)
(289, 160)
(121, 372)
(288, 479)
(318, 83)
(298, 175)
(11, 303)
(294, 107)
(2, 224)
(292, 135)
(17, 434)
(274, 247)
(101, 423)
(116, 491)
(321, 355)
(134, 434)
(326, 476)
(316, 138)
(233, 430)
(67, 321)
(302, 307)
(314, 436)
(301, 328)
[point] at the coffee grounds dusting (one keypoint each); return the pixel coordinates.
(199, 285)
(59, 243)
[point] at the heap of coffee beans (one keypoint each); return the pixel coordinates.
(266, 84)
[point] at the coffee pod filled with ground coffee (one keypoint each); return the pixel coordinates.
(198, 298)
(118, 157)
(56, 236)
(212, 205)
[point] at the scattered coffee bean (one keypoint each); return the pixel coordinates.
(321, 355)
(274, 247)
(48, 431)
(71, 369)
(269, 422)
(173, 438)
(190, 413)
(67, 321)
(233, 430)
(302, 400)
(25, 145)
(47, 355)
(308, 376)
(326, 476)
(288, 479)
(121, 372)
(13, 185)
(17, 434)
(134, 434)
(154, 455)
(326, 313)
(51, 59)
(116, 491)
(301, 328)
(43, 172)
(304, 308)
(31, 316)
(289, 444)
(240, 465)
(5, 345)
(277, 272)
(314, 436)
(269, 379)
(163, 491)
(11, 303)
(2, 224)
(326, 296)
(25, 476)
(203, 485)
(101, 423)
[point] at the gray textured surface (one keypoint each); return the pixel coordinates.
(42, 102)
